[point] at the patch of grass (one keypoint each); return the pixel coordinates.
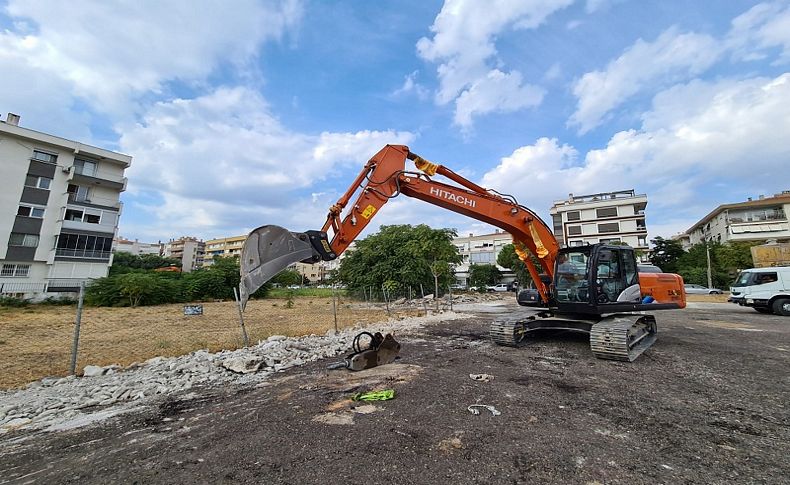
(299, 292)
(163, 344)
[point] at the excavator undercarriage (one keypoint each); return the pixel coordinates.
(623, 336)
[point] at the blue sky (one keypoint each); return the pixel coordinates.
(245, 113)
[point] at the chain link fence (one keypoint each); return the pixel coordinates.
(36, 340)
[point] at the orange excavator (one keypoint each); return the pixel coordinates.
(593, 289)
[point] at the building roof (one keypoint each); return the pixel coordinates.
(75, 146)
(783, 198)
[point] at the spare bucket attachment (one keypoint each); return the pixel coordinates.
(382, 349)
(270, 249)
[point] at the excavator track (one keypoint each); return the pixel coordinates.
(508, 333)
(623, 337)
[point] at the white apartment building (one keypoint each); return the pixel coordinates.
(188, 250)
(136, 247)
(601, 218)
(482, 249)
(59, 211)
(754, 220)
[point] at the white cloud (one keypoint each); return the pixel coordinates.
(110, 52)
(496, 92)
(411, 86)
(729, 130)
(463, 43)
(671, 57)
(764, 26)
(225, 151)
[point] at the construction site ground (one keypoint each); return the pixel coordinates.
(708, 403)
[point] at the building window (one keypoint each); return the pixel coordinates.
(15, 270)
(574, 230)
(83, 246)
(610, 240)
(574, 215)
(641, 241)
(44, 156)
(25, 240)
(30, 211)
(576, 243)
(606, 212)
(609, 227)
(38, 182)
(78, 193)
(87, 216)
(85, 167)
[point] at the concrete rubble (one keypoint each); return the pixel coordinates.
(54, 402)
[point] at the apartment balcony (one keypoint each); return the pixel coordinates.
(83, 253)
(21, 287)
(92, 201)
(97, 177)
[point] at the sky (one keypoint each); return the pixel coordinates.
(245, 113)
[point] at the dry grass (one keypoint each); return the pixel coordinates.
(708, 298)
(36, 342)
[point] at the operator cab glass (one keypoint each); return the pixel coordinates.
(596, 277)
(572, 276)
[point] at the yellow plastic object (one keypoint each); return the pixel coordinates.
(382, 395)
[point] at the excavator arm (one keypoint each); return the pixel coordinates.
(270, 249)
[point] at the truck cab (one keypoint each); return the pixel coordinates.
(767, 290)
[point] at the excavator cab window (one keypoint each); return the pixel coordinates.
(615, 272)
(572, 276)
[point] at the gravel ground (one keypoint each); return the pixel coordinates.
(706, 404)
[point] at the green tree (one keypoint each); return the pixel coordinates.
(507, 258)
(136, 286)
(481, 275)
(123, 262)
(287, 277)
(402, 253)
(666, 253)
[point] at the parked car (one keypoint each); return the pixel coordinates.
(501, 287)
(701, 290)
(529, 297)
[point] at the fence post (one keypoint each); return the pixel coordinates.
(450, 292)
(386, 299)
(76, 343)
(424, 305)
(334, 308)
(241, 318)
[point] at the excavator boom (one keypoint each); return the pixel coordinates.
(270, 249)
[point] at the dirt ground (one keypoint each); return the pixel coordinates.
(36, 341)
(708, 403)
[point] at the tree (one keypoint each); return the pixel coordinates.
(287, 277)
(124, 262)
(409, 255)
(481, 275)
(666, 253)
(508, 258)
(136, 286)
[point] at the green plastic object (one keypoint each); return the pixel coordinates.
(383, 395)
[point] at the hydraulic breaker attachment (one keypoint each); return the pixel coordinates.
(382, 349)
(270, 249)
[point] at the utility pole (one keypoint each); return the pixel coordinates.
(707, 255)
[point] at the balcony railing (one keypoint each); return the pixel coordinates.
(83, 253)
(74, 198)
(15, 287)
(66, 284)
(98, 174)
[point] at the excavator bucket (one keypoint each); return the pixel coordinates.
(267, 251)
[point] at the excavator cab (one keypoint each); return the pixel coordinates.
(596, 279)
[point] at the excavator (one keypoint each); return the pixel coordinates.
(594, 289)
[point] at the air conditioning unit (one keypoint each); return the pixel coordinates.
(66, 169)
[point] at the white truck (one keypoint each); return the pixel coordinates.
(767, 290)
